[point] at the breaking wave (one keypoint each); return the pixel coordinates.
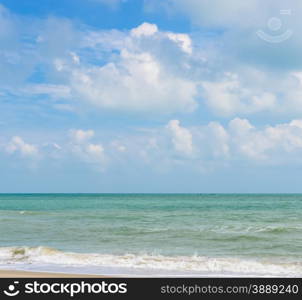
(208, 265)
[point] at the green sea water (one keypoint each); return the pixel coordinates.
(252, 234)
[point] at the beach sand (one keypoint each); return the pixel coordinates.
(25, 274)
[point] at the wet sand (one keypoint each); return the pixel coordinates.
(26, 274)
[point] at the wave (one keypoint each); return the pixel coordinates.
(196, 264)
(25, 212)
(231, 229)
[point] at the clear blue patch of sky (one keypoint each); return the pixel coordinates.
(93, 13)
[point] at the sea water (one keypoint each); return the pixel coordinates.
(153, 234)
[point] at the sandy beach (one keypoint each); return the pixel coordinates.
(26, 274)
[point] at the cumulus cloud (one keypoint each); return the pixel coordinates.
(154, 71)
(83, 149)
(93, 153)
(146, 70)
(79, 136)
(17, 145)
(137, 79)
(207, 147)
(238, 29)
(118, 146)
(181, 138)
(138, 83)
(276, 144)
(229, 97)
(141, 78)
(217, 139)
(183, 40)
(239, 141)
(145, 29)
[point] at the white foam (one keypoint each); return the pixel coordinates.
(195, 264)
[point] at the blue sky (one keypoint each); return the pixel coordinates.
(150, 96)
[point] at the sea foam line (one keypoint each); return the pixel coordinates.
(45, 255)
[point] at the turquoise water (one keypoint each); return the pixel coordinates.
(201, 233)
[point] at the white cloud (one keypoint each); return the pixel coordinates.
(17, 145)
(272, 144)
(238, 142)
(95, 150)
(183, 40)
(207, 147)
(292, 94)
(75, 58)
(79, 136)
(203, 147)
(93, 154)
(240, 126)
(230, 97)
(181, 138)
(145, 70)
(145, 29)
(120, 147)
(296, 123)
(138, 79)
(217, 138)
(138, 83)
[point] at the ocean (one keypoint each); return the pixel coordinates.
(153, 234)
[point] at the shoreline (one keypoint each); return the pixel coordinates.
(23, 273)
(33, 274)
(11, 273)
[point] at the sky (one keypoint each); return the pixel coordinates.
(134, 96)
